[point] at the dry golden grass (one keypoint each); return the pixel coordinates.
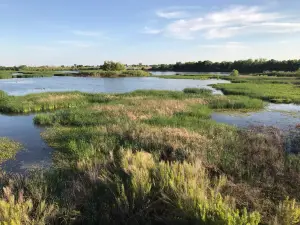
(59, 98)
(172, 143)
(141, 108)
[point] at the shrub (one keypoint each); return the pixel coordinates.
(234, 73)
(288, 213)
(22, 211)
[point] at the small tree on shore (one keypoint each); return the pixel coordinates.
(235, 73)
(113, 66)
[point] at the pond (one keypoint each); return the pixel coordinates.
(35, 153)
(160, 73)
(283, 116)
(23, 86)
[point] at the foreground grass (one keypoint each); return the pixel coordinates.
(155, 157)
(8, 148)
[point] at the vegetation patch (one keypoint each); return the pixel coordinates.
(8, 148)
(279, 93)
(156, 157)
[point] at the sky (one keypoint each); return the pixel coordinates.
(67, 32)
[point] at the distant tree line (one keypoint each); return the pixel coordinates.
(243, 66)
(107, 66)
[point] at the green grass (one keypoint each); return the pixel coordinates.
(197, 91)
(155, 157)
(84, 73)
(193, 77)
(102, 73)
(5, 74)
(8, 148)
(41, 102)
(279, 93)
(236, 102)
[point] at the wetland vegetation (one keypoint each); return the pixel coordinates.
(8, 148)
(151, 157)
(154, 156)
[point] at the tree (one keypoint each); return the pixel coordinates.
(234, 73)
(113, 66)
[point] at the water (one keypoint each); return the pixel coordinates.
(35, 153)
(160, 73)
(283, 116)
(23, 86)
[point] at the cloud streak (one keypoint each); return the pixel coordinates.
(148, 30)
(171, 14)
(228, 22)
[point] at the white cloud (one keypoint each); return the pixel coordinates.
(148, 30)
(171, 14)
(231, 21)
(87, 33)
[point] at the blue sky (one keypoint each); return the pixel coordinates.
(55, 32)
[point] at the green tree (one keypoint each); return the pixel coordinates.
(113, 66)
(234, 73)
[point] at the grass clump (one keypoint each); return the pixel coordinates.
(197, 91)
(193, 77)
(8, 148)
(279, 93)
(236, 102)
(42, 102)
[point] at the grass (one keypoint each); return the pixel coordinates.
(193, 77)
(102, 73)
(41, 102)
(155, 157)
(84, 73)
(8, 148)
(278, 93)
(5, 74)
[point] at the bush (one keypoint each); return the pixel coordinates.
(113, 66)
(234, 73)
(21, 211)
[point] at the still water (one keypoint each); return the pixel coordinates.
(283, 116)
(23, 86)
(35, 153)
